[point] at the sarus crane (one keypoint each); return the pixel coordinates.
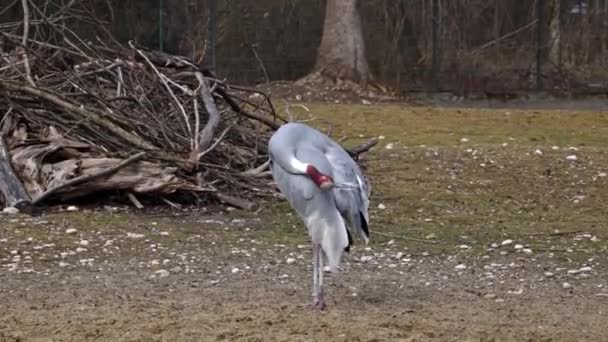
(326, 188)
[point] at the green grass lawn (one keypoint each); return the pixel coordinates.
(477, 176)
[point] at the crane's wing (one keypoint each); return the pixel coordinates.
(314, 205)
(352, 193)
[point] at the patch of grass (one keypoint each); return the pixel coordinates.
(486, 188)
(447, 126)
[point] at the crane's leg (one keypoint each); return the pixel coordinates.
(321, 265)
(318, 301)
(315, 274)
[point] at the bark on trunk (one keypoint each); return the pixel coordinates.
(604, 34)
(555, 34)
(341, 54)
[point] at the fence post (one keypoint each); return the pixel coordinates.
(160, 25)
(539, 44)
(211, 34)
(435, 46)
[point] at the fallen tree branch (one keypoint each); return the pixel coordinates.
(135, 201)
(217, 141)
(205, 137)
(26, 30)
(357, 150)
(235, 202)
(256, 172)
(84, 179)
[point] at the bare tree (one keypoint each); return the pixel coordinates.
(342, 54)
(555, 34)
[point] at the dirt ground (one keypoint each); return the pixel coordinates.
(487, 225)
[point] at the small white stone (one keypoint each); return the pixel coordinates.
(461, 267)
(571, 157)
(84, 242)
(70, 231)
(464, 246)
(555, 148)
(506, 242)
(14, 252)
(549, 274)
(366, 258)
(538, 152)
(390, 242)
(518, 246)
(494, 245)
(298, 97)
(527, 250)
(381, 206)
(594, 239)
(585, 269)
(602, 174)
(431, 236)
(72, 208)
(164, 233)
(290, 261)
(464, 139)
(162, 273)
(382, 137)
(135, 235)
(10, 210)
(389, 146)
(366, 102)
(235, 270)
(566, 285)
(63, 264)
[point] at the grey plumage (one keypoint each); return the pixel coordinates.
(325, 212)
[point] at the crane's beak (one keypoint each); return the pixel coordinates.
(327, 184)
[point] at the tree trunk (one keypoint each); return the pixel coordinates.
(604, 33)
(555, 34)
(341, 54)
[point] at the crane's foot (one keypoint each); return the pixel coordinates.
(318, 303)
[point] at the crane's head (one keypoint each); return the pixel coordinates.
(323, 181)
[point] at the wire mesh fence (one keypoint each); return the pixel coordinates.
(465, 47)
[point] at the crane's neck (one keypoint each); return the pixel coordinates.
(323, 181)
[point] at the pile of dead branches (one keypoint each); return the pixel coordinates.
(81, 117)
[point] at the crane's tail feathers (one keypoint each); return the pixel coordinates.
(350, 241)
(363, 227)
